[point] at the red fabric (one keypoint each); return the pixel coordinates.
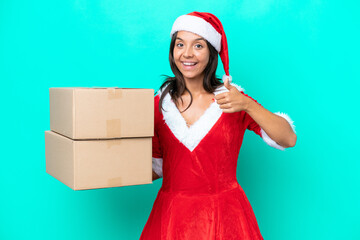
(251, 124)
(200, 197)
(156, 148)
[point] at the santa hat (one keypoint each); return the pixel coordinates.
(209, 27)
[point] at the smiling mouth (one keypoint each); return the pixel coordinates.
(189, 64)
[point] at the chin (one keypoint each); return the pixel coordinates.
(190, 77)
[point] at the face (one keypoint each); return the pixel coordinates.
(191, 55)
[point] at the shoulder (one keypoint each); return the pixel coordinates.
(156, 99)
(158, 96)
(156, 103)
(157, 111)
(161, 90)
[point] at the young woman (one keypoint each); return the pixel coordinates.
(199, 127)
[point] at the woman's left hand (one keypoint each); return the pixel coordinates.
(232, 101)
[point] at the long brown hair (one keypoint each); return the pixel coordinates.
(176, 85)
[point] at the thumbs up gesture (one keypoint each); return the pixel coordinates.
(233, 100)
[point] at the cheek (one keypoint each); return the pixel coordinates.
(176, 59)
(207, 59)
(176, 54)
(203, 58)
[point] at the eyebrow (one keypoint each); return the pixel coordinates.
(194, 39)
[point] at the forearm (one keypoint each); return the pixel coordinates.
(276, 127)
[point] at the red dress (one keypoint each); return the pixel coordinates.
(200, 197)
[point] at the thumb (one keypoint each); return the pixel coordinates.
(227, 84)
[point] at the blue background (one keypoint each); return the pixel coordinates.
(298, 57)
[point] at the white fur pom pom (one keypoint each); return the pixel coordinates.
(226, 76)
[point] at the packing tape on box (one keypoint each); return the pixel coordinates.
(113, 142)
(113, 128)
(115, 181)
(114, 93)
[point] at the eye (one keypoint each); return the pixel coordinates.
(178, 44)
(200, 46)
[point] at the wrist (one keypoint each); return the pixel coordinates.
(249, 105)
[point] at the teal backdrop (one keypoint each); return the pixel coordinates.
(297, 57)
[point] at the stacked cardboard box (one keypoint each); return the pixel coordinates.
(100, 137)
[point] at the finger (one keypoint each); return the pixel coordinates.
(227, 84)
(222, 101)
(220, 95)
(225, 106)
(228, 110)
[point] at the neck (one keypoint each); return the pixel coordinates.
(195, 86)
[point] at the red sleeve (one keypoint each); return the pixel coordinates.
(250, 123)
(156, 148)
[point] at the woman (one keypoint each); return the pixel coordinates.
(199, 127)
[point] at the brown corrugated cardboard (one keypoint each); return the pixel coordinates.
(90, 164)
(102, 113)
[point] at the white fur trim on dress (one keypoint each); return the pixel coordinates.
(191, 136)
(157, 166)
(271, 142)
(198, 26)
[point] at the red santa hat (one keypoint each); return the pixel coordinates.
(209, 27)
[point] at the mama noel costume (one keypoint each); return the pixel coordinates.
(200, 197)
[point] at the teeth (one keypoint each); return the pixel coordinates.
(189, 64)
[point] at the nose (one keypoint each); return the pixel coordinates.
(188, 51)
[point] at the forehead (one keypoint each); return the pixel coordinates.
(189, 36)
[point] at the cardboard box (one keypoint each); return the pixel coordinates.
(90, 164)
(102, 113)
